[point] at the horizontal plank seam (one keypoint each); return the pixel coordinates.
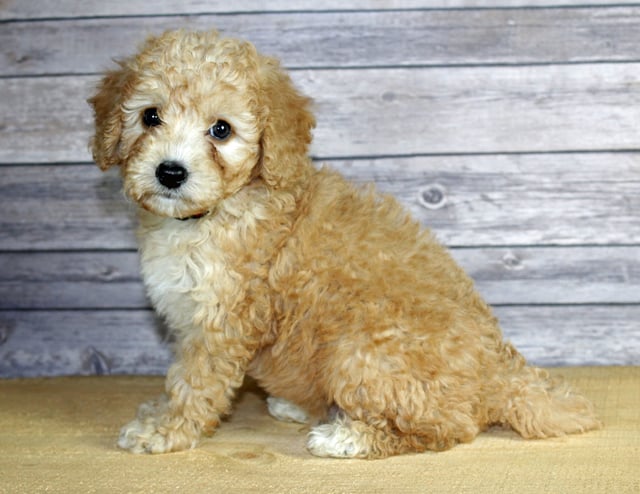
(462, 65)
(319, 160)
(92, 250)
(372, 67)
(77, 309)
(539, 246)
(362, 157)
(149, 308)
(616, 245)
(569, 304)
(453, 247)
(229, 13)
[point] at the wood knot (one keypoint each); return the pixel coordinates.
(512, 262)
(6, 328)
(389, 96)
(109, 273)
(95, 362)
(433, 196)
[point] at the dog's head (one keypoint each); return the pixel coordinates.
(194, 117)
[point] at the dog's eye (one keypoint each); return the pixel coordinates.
(220, 130)
(150, 117)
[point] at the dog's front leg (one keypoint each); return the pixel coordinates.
(199, 389)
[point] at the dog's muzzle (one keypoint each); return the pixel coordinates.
(172, 174)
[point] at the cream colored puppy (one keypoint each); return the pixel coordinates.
(339, 304)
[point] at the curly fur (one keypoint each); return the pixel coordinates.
(330, 296)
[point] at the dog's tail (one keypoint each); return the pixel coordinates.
(539, 406)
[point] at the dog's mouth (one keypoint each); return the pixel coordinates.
(171, 205)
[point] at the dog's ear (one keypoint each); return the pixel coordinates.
(106, 105)
(287, 129)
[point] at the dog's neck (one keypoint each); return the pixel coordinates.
(194, 217)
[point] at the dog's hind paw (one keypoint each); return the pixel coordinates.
(337, 440)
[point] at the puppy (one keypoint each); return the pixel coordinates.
(347, 312)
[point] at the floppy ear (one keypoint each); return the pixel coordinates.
(108, 117)
(287, 130)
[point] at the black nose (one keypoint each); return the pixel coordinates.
(171, 174)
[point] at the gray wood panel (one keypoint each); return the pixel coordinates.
(47, 9)
(554, 275)
(510, 127)
(574, 335)
(133, 342)
(63, 207)
(574, 198)
(529, 275)
(71, 280)
(568, 199)
(343, 39)
(37, 343)
(382, 111)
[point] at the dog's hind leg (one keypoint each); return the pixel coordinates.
(344, 437)
(394, 415)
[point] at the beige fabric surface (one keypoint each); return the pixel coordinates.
(58, 435)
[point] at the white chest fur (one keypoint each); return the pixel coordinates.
(191, 268)
(184, 270)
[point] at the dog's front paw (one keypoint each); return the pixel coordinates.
(145, 436)
(142, 437)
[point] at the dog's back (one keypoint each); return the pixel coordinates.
(378, 319)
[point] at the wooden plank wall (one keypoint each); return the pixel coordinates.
(511, 128)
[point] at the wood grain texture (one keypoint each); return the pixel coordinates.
(131, 342)
(82, 342)
(382, 111)
(568, 199)
(574, 198)
(510, 128)
(63, 207)
(59, 435)
(531, 275)
(71, 280)
(61, 9)
(343, 39)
